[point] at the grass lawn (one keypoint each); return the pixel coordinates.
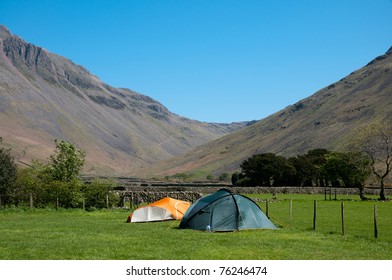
(45, 234)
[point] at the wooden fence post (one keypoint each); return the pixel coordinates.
(375, 222)
(266, 208)
(291, 211)
(31, 200)
(342, 212)
(107, 201)
(314, 214)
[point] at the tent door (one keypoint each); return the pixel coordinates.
(224, 216)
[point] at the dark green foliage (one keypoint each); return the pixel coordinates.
(347, 169)
(97, 194)
(34, 181)
(68, 194)
(56, 184)
(66, 162)
(318, 167)
(39, 182)
(7, 175)
(235, 178)
(308, 168)
(268, 170)
(45, 191)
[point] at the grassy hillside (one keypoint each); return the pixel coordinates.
(327, 119)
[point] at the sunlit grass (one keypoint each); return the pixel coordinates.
(76, 234)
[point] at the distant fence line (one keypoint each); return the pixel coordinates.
(131, 184)
(137, 194)
(135, 198)
(211, 188)
(133, 194)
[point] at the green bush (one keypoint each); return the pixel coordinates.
(97, 194)
(7, 175)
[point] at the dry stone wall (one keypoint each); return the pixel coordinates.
(137, 194)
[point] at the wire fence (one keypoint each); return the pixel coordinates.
(369, 219)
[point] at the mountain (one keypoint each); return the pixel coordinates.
(326, 119)
(44, 96)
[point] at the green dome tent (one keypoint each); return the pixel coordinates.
(224, 211)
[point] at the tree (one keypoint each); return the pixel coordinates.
(309, 167)
(375, 140)
(235, 178)
(317, 158)
(7, 174)
(361, 170)
(66, 162)
(258, 169)
(304, 170)
(65, 166)
(267, 169)
(348, 169)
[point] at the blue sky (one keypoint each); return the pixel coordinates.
(210, 60)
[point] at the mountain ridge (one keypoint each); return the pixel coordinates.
(44, 96)
(326, 119)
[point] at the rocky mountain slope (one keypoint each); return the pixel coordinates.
(44, 97)
(327, 119)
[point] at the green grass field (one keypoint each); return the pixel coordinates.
(47, 234)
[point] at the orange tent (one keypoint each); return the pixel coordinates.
(161, 210)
